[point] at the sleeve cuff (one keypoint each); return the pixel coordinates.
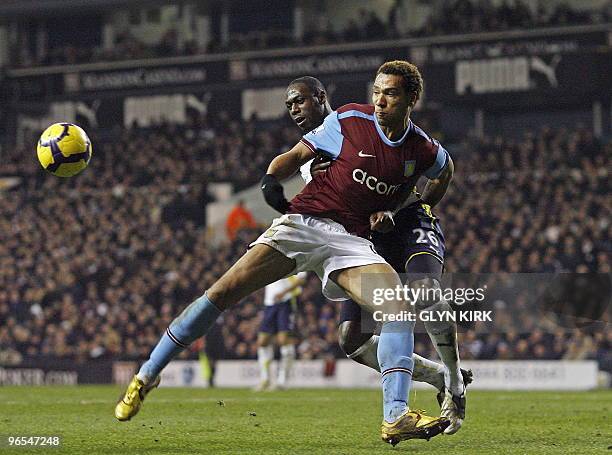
(439, 164)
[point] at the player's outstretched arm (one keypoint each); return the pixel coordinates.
(435, 189)
(282, 167)
(288, 163)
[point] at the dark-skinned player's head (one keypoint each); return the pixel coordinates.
(397, 88)
(307, 102)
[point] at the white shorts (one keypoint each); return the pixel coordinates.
(319, 245)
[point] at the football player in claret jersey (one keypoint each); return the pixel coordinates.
(415, 246)
(324, 231)
(280, 301)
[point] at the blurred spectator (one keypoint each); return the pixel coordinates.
(168, 46)
(239, 218)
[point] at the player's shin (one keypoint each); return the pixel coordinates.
(287, 358)
(428, 371)
(265, 355)
(192, 323)
(425, 370)
(367, 353)
(443, 334)
(395, 348)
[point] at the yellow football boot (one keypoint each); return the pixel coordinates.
(135, 394)
(413, 425)
(262, 386)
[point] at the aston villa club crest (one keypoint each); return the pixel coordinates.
(409, 167)
(270, 233)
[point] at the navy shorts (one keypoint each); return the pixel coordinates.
(417, 231)
(279, 317)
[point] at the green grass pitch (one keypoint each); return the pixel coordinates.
(227, 421)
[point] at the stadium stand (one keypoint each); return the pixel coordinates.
(458, 16)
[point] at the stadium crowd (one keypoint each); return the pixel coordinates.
(96, 266)
(457, 16)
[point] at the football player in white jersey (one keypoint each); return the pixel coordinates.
(280, 301)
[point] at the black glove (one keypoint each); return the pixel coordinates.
(274, 194)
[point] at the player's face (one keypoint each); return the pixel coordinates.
(391, 102)
(305, 109)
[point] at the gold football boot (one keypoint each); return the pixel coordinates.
(135, 394)
(413, 425)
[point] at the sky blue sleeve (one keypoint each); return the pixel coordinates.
(439, 164)
(326, 139)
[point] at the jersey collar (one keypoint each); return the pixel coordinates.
(386, 140)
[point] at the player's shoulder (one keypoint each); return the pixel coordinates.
(417, 133)
(418, 137)
(354, 109)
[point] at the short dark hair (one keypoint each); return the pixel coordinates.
(412, 81)
(313, 84)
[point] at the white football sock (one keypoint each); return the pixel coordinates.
(428, 371)
(287, 357)
(265, 354)
(367, 353)
(443, 335)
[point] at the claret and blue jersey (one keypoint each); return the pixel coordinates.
(368, 170)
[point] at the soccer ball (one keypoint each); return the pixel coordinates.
(64, 149)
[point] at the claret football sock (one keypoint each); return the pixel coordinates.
(192, 323)
(395, 348)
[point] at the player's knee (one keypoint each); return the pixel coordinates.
(215, 295)
(221, 296)
(430, 299)
(263, 339)
(283, 338)
(425, 283)
(427, 293)
(232, 287)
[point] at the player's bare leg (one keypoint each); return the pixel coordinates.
(258, 267)
(394, 353)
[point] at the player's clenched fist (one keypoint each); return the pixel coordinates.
(382, 221)
(319, 165)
